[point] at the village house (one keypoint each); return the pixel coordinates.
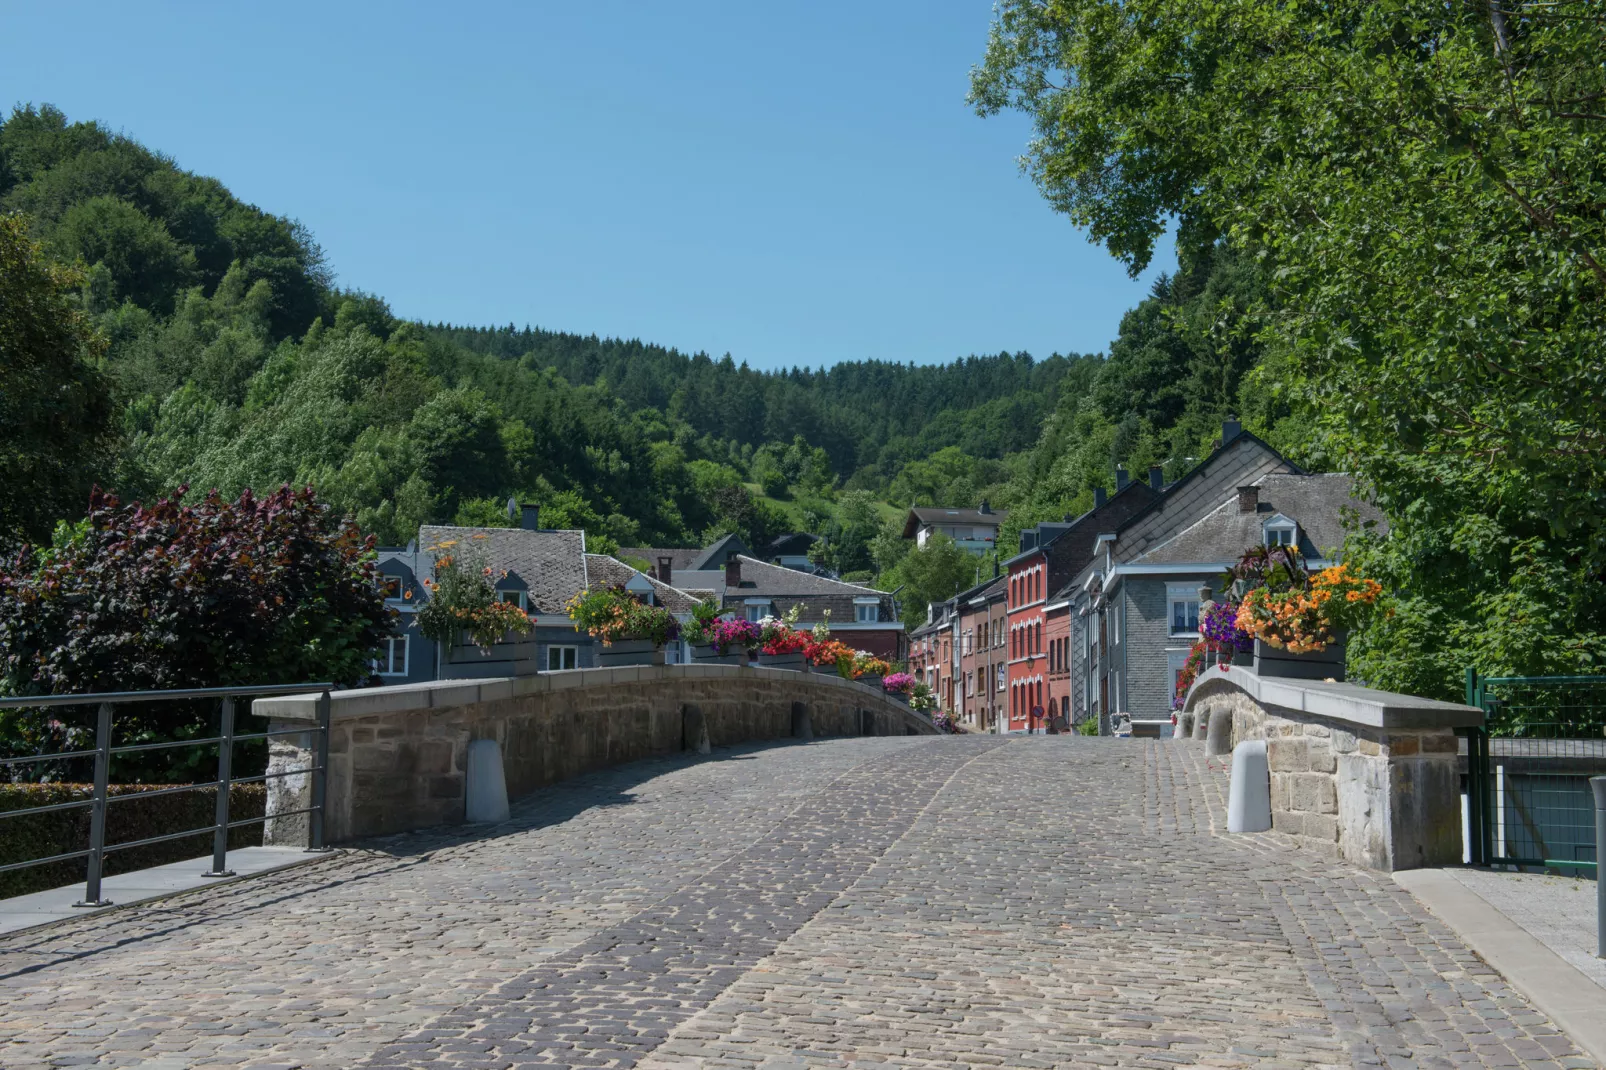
(1132, 607)
(538, 569)
(1050, 554)
(862, 617)
(982, 679)
(975, 530)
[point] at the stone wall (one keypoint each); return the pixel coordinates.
(1368, 776)
(397, 755)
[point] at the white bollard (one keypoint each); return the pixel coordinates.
(1249, 793)
(486, 786)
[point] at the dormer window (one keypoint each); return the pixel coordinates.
(1281, 531)
(517, 598)
(392, 586)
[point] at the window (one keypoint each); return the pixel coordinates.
(1281, 531)
(391, 585)
(999, 686)
(392, 659)
(864, 612)
(757, 611)
(518, 598)
(559, 658)
(1183, 600)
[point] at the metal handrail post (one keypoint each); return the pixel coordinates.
(97, 810)
(320, 777)
(1598, 785)
(225, 770)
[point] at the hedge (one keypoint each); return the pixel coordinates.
(42, 835)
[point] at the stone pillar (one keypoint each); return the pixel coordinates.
(802, 723)
(1368, 776)
(694, 730)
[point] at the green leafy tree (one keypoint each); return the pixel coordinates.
(931, 573)
(1422, 182)
(55, 406)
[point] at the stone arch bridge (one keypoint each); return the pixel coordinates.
(843, 901)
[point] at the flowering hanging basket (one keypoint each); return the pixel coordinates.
(1298, 620)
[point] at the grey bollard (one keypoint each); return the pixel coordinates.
(1598, 785)
(1218, 734)
(1249, 793)
(487, 786)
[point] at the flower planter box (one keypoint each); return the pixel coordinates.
(873, 681)
(1269, 661)
(630, 652)
(794, 661)
(706, 655)
(900, 696)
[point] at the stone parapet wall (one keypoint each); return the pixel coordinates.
(398, 755)
(1367, 776)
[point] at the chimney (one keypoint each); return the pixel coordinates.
(733, 571)
(1156, 477)
(1122, 478)
(530, 517)
(1248, 499)
(1230, 429)
(1099, 497)
(666, 567)
(986, 507)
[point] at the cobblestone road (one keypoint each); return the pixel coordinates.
(902, 902)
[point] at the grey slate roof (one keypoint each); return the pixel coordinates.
(605, 571)
(680, 557)
(716, 555)
(551, 565)
(1238, 463)
(767, 579)
(936, 514)
(1315, 502)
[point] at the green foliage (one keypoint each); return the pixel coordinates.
(55, 409)
(1184, 360)
(43, 835)
(934, 572)
(849, 534)
(1420, 186)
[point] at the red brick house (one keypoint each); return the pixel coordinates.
(1050, 554)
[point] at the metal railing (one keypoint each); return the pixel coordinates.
(226, 739)
(1529, 802)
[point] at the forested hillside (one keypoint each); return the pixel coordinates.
(230, 360)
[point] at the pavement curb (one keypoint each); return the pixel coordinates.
(144, 896)
(1569, 998)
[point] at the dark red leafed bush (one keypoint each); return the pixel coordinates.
(267, 590)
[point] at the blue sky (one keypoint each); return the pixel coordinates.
(793, 185)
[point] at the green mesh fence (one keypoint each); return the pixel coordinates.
(1528, 772)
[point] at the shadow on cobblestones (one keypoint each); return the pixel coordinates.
(845, 904)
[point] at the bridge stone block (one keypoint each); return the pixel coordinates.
(398, 754)
(1359, 774)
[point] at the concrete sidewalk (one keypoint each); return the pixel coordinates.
(1538, 931)
(56, 904)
